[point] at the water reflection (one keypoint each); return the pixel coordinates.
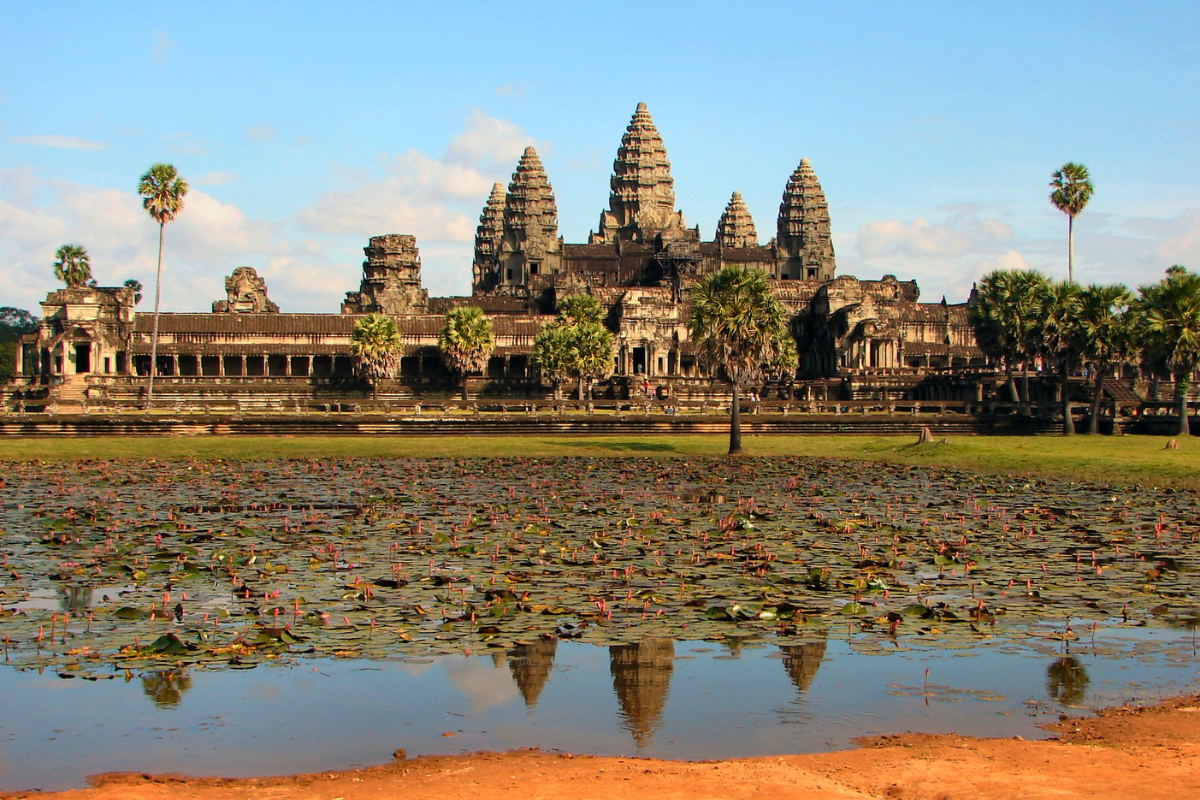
(802, 661)
(641, 678)
(531, 665)
(75, 599)
(166, 688)
(1066, 681)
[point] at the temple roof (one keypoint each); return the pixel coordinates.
(736, 227)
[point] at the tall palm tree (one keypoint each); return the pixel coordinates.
(736, 322)
(466, 341)
(72, 265)
(375, 348)
(1168, 326)
(1104, 324)
(579, 309)
(1072, 190)
(591, 355)
(162, 192)
(1058, 338)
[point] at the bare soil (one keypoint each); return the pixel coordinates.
(1142, 752)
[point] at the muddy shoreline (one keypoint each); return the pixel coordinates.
(1143, 751)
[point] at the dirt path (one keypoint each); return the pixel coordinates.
(1142, 753)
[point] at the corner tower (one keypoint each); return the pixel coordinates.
(804, 247)
(529, 246)
(484, 267)
(641, 204)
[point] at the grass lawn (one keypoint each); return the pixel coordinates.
(1122, 459)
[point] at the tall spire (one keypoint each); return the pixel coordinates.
(530, 223)
(736, 227)
(805, 249)
(487, 239)
(642, 201)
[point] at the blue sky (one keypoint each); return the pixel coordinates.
(304, 129)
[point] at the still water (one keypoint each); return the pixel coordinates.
(661, 698)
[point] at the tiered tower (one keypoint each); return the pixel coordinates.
(736, 227)
(641, 204)
(487, 241)
(804, 249)
(391, 282)
(529, 246)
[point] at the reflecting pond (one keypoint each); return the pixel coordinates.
(247, 618)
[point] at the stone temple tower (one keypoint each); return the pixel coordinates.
(391, 282)
(641, 205)
(529, 246)
(736, 227)
(804, 249)
(487, 242)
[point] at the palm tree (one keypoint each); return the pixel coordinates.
(72, 265)
(466, 341)
(1104, 324)
(552, 354)
(591, 355)
(376, 347)
(162, 192)
(579, 309)
(1058, 337)
(1168, 326)
(736, 323)
(1072, 190)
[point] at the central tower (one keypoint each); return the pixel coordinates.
(641, 205)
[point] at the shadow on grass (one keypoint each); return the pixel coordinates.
(644, 447)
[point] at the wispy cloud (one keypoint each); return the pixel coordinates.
(261, 133)
(61, 142)
(160, 51)
(517, 89)
(217, 178)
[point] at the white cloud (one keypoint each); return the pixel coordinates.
(884, 238)
(61, 142)
(1183, 246)
(261, 133)
(160, 51)
(436, 199)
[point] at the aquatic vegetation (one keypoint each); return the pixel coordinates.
(213, 564)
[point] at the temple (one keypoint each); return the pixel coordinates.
(856, 336)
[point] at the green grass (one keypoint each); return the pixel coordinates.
(1122, 459)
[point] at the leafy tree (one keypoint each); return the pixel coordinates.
(579, 309)
(136, 285)
(72, 266)
(552, 354)
(162, 192)
(466, 341)
(1058, 337)
(737, 323)
(1072, 191)
(591, 355)
(575, 345)
(1104, 322)
(14, 323)
(1004, 315)
(375, 348)
(1168, 326)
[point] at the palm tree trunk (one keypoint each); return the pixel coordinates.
(1070, 248)
(581, 390)
(1065, 391)
(1011, 382)
(465, 395)
(1026, 403)
(735, 424)
(154, 334)
(1094, 418)
(1181, 392)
